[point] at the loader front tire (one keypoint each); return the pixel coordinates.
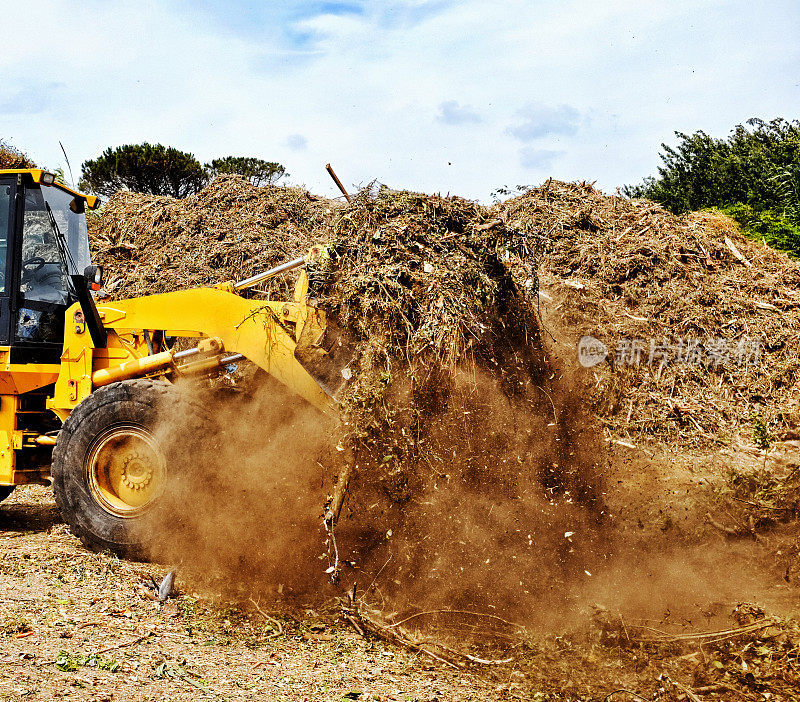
(111, 461)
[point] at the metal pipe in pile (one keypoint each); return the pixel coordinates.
(256, 279)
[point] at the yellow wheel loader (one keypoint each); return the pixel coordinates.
(83, 385)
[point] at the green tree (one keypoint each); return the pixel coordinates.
(752, 176)
(256, 170)
(757, 166)
(144, 168)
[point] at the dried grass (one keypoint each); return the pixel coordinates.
(228, 231)
(425, 277)
(627, 269)
(11, 157)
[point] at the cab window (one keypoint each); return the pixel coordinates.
(5, 228)
(43, 278)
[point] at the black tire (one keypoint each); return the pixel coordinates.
(114, 452)
(5, 491)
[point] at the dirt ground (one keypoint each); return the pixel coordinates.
(77, 625)
(62, 604)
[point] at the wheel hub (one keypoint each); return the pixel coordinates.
(137, 473)
(125, 467)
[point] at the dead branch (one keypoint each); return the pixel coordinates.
(271, 620)
(721, 527)
(354, 612)
(455, 611)
(334, 507)
(708, 636)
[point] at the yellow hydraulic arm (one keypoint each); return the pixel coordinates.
(263, 332)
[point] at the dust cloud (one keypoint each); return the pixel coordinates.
(241, 515)
(510, 520)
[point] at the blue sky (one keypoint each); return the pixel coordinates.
(433, 95)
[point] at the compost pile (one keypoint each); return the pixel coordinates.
(11, 157)
(464, 449)
(701, 324)
(451, 416)
(418, 284)
(228, 231)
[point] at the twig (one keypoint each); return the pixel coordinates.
(736, 252)
(338, 182)
(422, 649)
(339, 492)
(278, 626)
(333, 510)
(484, 661)
(126, 644)
(708, 636)
(721, 527)
(555, 414)
(376, 576)
(624, 628)
(758, 505)
(488, 225)
(334, 569)
(354, 624)
(395, 634)
(453, 611)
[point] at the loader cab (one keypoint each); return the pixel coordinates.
(43, 240)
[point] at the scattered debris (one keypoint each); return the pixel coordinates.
(159, 592)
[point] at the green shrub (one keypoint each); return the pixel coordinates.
(768, 225)
(758, 164)
(256, 170)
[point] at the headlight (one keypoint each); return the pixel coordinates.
(47, 178)
(94, 276)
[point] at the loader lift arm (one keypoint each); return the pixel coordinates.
(112, 460)
(260, 331)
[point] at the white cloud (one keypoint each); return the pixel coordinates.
(450, 112)
(366, 88)
(297, 142)
(540, 121)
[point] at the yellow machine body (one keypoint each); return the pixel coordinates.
(40, 176)
(265, 333)
(35, 396)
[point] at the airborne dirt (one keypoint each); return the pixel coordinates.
(587, 525)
